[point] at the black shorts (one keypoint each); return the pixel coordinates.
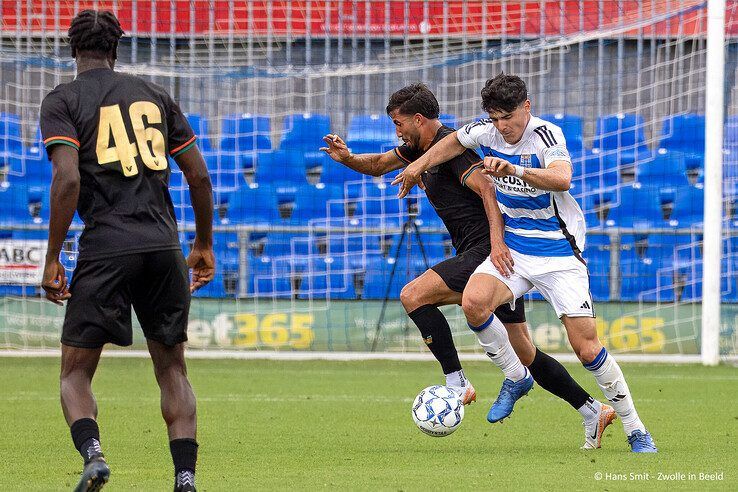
(155, 283)
(456, 271)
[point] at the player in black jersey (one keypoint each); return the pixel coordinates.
(109, 135)
(464, 199)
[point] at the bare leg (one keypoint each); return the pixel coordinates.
(521, 342)
(78, 366)
(178, 405)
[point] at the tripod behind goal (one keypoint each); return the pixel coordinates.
(409, 228)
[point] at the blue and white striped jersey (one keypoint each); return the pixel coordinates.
(537, 222)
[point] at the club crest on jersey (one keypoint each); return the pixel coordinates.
(526, 160)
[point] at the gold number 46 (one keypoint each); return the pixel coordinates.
(111, 122)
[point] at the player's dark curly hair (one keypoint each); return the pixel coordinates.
(96, 31)
(503, 93)
(415, 98)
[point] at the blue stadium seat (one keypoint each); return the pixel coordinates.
(427, 217)
(684, 133)
(335, 173)
(304, 132)
(11, 142)
(229, 161)
(433, 245)
(667, 248)
(270, 277)
(371, 134)
(327, 277)
(598, 170)
(298, 152)
(281, 166)
(29, 167)
(284, 244)
(354, 247)
(201, 128)
(689, 206)
(637, 275)
(596, 207)
(252, 206)
(182, 203)
(14, 205)
(377, 278)
(245, 132)
(449, 120)
(311, 202)
(573, 127)
(665, 169)
(597, 255)
(225, 280)
(622, 135)
(634, 206)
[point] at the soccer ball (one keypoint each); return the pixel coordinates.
(438, 411)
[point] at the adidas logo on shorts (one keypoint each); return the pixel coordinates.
(585, 305)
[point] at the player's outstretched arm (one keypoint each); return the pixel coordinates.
(500, 253)
(201, 258)
(555, 177)
(446, 149)
(63, 200)
(371, 164)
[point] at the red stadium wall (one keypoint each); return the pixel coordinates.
(320, 17)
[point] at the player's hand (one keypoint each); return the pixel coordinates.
(337, 149)
(54, 282)
(409, 177)
(502, 259)
(202, 262)
(497, 167)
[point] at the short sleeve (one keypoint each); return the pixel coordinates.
(553, 146)
(407, 154)
(57, 124)
(180, 136)
(468, 135)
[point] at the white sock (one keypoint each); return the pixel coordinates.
(456, 379)
(493, 338)
(590, 410)
(610, 379)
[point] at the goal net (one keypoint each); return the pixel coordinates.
(312, 255)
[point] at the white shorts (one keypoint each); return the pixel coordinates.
(562, 280)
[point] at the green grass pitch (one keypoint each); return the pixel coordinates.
(346, 425)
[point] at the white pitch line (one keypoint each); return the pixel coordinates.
(358, 356)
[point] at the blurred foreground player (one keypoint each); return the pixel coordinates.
(108, 136)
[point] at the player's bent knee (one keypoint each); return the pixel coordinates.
(475, 307)
(414, 295)
(408, 296)
(588, 351)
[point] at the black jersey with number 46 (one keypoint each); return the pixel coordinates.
(124, 128)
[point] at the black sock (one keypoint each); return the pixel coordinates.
(437, 335)
(184, 455)
(86, 438)
(554, 378)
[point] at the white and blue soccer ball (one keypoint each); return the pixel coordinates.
(438, 411)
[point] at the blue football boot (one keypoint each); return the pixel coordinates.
(642, 442)
(509, 394)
